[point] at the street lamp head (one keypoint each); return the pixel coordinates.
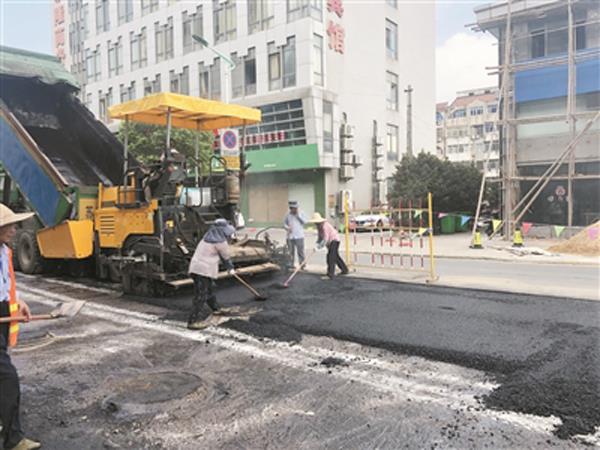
(200, 39)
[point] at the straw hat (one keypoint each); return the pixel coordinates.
(7, 216)
(316, 218)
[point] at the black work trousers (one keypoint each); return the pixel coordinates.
(10, 392)
(334, 258)
(204, 292)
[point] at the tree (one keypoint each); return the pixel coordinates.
(454, 186)
(147, 142)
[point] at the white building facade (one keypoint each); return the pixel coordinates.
(467, 129)
(329, 76)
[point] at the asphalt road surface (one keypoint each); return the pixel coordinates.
(349, 363)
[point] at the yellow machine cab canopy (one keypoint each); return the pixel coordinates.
(193, 113)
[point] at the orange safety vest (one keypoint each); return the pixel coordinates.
(13, 306)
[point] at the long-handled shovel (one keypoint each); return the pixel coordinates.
(257, 295)
(69, 309)
(295, 272)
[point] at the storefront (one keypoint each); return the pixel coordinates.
(277, 175)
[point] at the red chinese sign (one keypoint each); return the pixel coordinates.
(335, 31)
(336, 35)
(336, 7)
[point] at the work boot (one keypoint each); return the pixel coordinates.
(198, 320)
(27, 444)
(214, 305)
(345, 272)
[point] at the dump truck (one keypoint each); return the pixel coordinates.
(98, 208)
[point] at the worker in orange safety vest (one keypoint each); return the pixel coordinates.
(10, 394)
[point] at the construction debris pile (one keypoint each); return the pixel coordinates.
(581, 243)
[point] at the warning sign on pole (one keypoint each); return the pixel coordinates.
(230, 148)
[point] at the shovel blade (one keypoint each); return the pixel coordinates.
(68, 309)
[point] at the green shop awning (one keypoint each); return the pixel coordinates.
(283, 158)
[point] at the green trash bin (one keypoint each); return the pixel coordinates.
(448, 224)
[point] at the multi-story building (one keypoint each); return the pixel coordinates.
(549, 67)
(467, 130)
(328, 75)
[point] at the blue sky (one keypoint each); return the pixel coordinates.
(27, 24)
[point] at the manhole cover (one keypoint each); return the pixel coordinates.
(154, 387)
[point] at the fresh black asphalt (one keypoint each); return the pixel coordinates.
(543, 351)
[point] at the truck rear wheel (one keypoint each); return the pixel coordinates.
(28, 253)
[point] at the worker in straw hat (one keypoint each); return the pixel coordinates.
(329, 237)
(12, 435)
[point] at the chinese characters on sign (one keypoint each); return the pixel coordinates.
(335, 31)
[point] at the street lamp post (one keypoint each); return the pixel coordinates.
(230, 65)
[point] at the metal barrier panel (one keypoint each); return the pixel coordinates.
(392, 238)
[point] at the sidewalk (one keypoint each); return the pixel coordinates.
(452, 246)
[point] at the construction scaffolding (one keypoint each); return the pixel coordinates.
(515, 203)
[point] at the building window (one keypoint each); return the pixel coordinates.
(164, 40)
(192, 24)
(215, 79)
(392, 142)
(274, 66)
(392, 91)
(297, 9)
(93, 64)
(149, 6)
(538, 44)
(459, 113)
(125, 10)
(289, 63)
(477, 131)
(492, 109)
(152, 87)
(392, 3)
(391, 39)
(203, 77)
(115, 58)
(282, 64)
(327, 126)
(127, 92)
(138, 49)
(102, 16)
(489, 127)
(224, 22)
(476, 111)
(282, 125)
(250, 72)
(180, 82)
(243, 76)
(580, 36)
(260, 15)
(318, 60)
(237, 77)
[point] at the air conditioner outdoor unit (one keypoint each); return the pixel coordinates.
(347, 130)
(347, 144)
(357, 160)
(347, 158)
(379, 151)
(379, 175)
(347, 172)
(380, 162)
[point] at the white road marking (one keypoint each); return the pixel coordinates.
(402, 380)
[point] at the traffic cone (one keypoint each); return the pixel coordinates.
(476, 244)
(517, 238)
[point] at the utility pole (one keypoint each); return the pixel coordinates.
(409, 144)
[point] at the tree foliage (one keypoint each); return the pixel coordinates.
(147, 142)
(454, 186)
